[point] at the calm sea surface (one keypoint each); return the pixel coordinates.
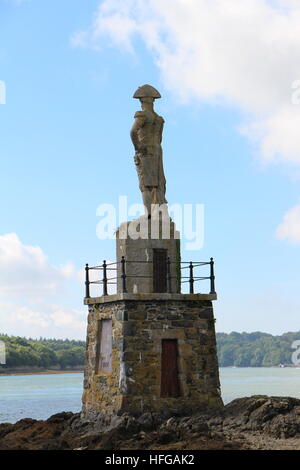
(40, 396)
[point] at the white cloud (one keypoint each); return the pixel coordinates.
(45, 320)
(26, 271)
(16, 314)
(240, 53)
(289, 229)
(36, 295)
(278, 135)
(70, 318)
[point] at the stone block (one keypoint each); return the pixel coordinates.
(129, 328)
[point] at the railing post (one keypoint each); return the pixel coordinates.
(191, 278)
(169, 275)
(123, 262)
(104, 266)
(212, 277)
(87, 282)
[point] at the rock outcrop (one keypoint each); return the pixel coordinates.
(258, 422)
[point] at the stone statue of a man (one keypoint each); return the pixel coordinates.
(146, 135)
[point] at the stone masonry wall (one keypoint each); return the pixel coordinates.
(138, 328)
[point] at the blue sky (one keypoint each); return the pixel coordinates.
(230, 142)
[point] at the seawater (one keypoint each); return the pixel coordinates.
(40, 396)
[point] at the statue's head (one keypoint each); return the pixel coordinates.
(147, 93)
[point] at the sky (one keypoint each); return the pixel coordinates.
(229, 75)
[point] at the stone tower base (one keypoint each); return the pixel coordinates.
(139, 324)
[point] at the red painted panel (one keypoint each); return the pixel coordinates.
(169, 368)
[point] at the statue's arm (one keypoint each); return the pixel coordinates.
(137, 125)
(162, 129)
(134, 134)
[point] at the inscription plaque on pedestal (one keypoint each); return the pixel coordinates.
(105, 346)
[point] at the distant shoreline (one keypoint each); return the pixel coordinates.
(12, 372)
(7, 373)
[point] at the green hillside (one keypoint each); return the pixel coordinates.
(44, 353)
(255, 349)
(234, 349)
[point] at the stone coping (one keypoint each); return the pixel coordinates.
(159, 296)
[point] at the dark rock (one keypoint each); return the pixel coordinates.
(165, 437)
(229, 428)
(146, 421)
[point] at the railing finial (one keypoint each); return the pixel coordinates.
(191, 280)
(87, 282)
(212, 277)
(104, 267)
(123, 262)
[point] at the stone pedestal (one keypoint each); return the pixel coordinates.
(132, 382)
(138, 252)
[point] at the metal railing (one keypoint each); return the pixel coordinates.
(191, 278)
